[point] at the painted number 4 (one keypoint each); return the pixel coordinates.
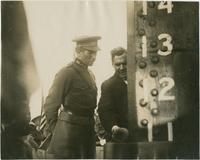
(162, 5)
(166, 5)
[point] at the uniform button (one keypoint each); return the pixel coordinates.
(142, 64)
(153, 73)
(154, 92)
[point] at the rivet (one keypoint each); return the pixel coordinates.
(153, 44)
(155, 111)
(142, 64)
(141, 83)
(143, 103)
(141, 32)
(155, 59)
(152, 23)
(154, 92)
(144, 122)
(153, 73)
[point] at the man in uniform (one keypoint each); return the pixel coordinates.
(74, 88)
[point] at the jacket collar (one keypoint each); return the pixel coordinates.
(80, 63)
(84, 73)
(116, 76)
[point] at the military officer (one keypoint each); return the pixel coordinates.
(74, 88)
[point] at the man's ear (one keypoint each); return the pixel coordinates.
(113, 64)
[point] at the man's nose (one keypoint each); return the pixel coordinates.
(93, 56)
(121, 66)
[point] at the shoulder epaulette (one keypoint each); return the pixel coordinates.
(63, 69)
(69, 65)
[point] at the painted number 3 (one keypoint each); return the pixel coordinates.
(166, 44)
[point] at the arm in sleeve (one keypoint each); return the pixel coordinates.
(60, 86)
(106, 108)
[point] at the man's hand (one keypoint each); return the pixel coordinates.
(119, 134)
(29, 140)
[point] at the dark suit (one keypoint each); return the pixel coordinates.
(112, 107)
(113, 110)
(73, 136)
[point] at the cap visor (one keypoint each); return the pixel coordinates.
(96, 48)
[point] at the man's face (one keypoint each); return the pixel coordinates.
(119, 63)
(87, 57)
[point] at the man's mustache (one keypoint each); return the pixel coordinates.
(122, 71)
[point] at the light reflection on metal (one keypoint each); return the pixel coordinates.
(144, 122)
(154, 92)
(155, 111)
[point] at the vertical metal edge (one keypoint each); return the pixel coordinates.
(131, 69)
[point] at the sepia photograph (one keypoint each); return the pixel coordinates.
(97, 79)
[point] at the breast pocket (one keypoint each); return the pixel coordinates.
(80, 91)
(80, 86)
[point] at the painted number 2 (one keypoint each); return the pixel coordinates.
(168, 84)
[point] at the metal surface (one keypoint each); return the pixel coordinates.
(157, 34)
(163, 74)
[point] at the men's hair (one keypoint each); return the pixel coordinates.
(117, 52)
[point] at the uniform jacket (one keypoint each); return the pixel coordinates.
(74, 88)
(113, 107)
(73, 130)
